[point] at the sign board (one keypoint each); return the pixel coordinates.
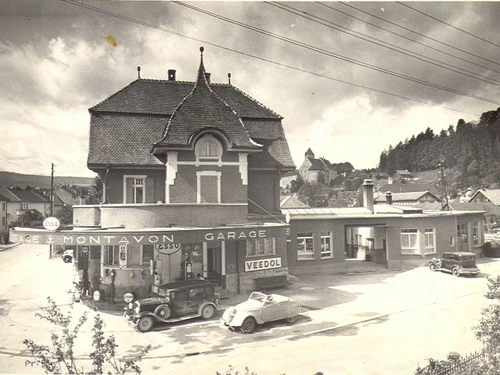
(262, 264)
(51, 223)
(168, 248)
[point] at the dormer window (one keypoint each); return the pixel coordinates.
(208, 148)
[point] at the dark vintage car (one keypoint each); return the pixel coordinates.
(457, 263)
(173, 302)
(260, 308)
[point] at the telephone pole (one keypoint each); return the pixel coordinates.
(444, 193)
(52, 191)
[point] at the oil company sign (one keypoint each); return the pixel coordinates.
(262, 264)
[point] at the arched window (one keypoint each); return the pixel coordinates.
(208, 148)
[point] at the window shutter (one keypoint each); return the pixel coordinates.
(150, 190)
(129, 191)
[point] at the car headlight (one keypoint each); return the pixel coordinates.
(137, 309)
(130, 305)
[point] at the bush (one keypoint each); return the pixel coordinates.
(60, 357)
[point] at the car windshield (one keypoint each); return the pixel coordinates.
(261, 297)
(161, 292)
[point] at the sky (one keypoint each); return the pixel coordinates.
(350, 79)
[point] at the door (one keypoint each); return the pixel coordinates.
(462, 237)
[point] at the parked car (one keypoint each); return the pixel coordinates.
(457, 263)
(260, 308)
(68, 256)
(173, 302)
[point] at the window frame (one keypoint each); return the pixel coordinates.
(203, 145)
(407, 250)
(475, 234)
(305, 255)
(199, 175)
(134, 192)
(269, 245)
(430, 249)
(326, 254)
(114, 255)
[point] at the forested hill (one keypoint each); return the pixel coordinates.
(11, 179)
(471, 151)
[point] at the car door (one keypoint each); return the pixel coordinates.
(178, 303)
(196, 299)
(271, 310)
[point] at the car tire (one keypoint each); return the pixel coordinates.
(66, 260)
(163, 312)
(432, 267)
(455, 271)
(145, 323)
(248, 325)
(207, 312)
(291, 319)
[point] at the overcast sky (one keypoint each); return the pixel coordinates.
(336, 76)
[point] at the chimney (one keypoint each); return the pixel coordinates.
(229, 79)
(139, 72)
(368, 194)
(171, 75)
(388, 197)
(207, 77)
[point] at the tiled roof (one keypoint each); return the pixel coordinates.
(201, 109)
(291, 201)
(124, 140)
(28, 196)
(493, 195)
(398, 197)
(408, 188)
(162, 97)
(6, 193)
(317, 165)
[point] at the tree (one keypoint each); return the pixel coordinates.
(65, 214)
(29, 218)
(60, 357)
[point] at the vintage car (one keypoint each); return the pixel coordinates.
(260, 308)
(173, 302)
(457, 263)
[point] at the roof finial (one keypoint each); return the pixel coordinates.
(201, 70)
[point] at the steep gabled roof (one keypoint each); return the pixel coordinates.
(8, 195)
(291, 201)
(28, 196)
(493, 195)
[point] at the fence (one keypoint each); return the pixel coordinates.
(452, 366)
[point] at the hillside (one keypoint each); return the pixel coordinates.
(10, 179)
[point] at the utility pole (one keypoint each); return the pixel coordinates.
(51, 249)
(52, 191)
(444, 193)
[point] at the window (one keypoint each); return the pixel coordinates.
(208, 148)
(261, 246)
(135, 189)
(305, 248)
(111, 256)
(452, 241)
(326, 247)
(430, 240)
(409, 241)
(208, 187)
(147, 254)
(24, 206)
(3, 206)
(3, 222)
(198, 292)
(475, 233)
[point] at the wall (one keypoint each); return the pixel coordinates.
(114, 183)
(263, 189)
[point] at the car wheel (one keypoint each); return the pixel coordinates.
(455, 271)
(432, 267)
(207, 312)
(66, 260)
(438, 263)
(291, 319)
(145, 324)
(248, 325)
(163, 312)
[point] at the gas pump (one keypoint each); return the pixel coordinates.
(187, 268)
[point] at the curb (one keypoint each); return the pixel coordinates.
(10, 246)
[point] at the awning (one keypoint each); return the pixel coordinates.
(150, 236)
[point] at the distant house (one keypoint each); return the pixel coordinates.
(3, 221)
(402, 175)
(405, 198)
(315, 170)
(492, 195)
(408, 188)
(291, 201)
(21, 200)
(490, 209)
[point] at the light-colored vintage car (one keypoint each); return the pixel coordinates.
(260, 308)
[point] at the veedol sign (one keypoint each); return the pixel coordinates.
(141, 238)
(263, 264)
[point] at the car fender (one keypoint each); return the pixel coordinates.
(200, 309)
(145, 313)
(292, 311)
(239, 318)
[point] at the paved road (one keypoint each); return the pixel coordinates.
(373, 323)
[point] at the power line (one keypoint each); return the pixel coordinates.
(420, 34)
(448, 24)
(335, 55)
(384, 44)
(145, 24)
(402, 36)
